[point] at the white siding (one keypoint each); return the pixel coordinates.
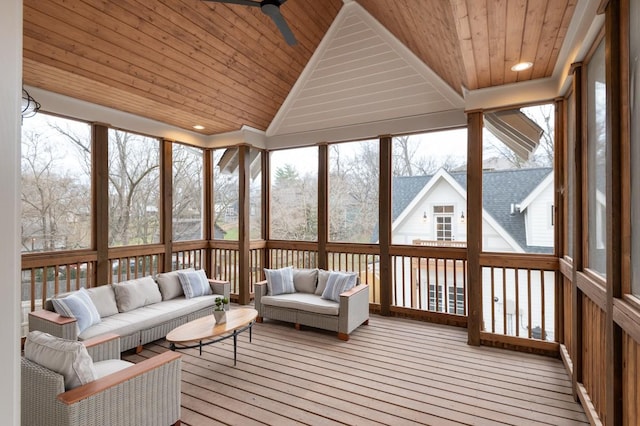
(414, 226)
(538, 218)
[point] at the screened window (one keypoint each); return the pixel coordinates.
(188, 195)
(294, 194)
(596, 160)
(225, 194)
(134, 189)
(353, 191)
(429, 183)
(56, 181)
(517, 180)
(255, 195)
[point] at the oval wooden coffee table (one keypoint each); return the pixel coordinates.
(206, 330)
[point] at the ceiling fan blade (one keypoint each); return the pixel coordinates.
(240, 2)
(273, 11)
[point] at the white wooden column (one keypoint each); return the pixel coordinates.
(11, 95)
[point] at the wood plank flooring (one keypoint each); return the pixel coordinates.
(393, 371)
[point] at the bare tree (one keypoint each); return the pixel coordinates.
(133, 183)
(187, 192)
(133, 189)
(294, 205)
(55, 214)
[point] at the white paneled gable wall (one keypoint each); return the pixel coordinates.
(362, 74)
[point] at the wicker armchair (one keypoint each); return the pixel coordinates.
(147, 393)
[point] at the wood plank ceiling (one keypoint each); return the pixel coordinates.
(187, 62)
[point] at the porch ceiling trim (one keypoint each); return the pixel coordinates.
(584, 28)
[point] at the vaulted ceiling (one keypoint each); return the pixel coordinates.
(187, 62)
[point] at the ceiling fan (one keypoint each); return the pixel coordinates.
(271, 8)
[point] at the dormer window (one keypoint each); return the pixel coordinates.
(443, 219)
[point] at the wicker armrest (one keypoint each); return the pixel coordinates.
(354, 290)
(260, 290)
(73, 396)
(220, 287)
(354, 310)
(261, 287)
(106, 346)
(54, 324)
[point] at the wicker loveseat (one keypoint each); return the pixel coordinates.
(139, 311)
(86, 384)
(314, 300)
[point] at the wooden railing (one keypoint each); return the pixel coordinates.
(362, 259)
(519, 291)
(519, 296)
(432, 280)
(131, 262)
(439, 243)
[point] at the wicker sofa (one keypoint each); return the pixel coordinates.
(137, 318)
(117, 393)
(308, 304)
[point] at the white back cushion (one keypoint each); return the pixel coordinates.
(134, 294)
(66, 357)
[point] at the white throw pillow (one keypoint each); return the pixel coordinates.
(338, 283)
(323, 276)
(66, 357)
(305, 280)
(279, 281)
(194, 283)
(169, 284)
(137, 293)
(78, 305)
(104, 299)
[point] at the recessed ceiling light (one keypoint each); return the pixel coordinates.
(198, 127)
(522, 66)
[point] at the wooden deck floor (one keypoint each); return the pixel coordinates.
(393, 371)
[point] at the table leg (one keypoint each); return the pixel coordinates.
(200, 347)
(250, 330)
(172, 346)
(235, 344)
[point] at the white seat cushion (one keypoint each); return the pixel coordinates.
(126, 323)
(110, 366)
(304, 302)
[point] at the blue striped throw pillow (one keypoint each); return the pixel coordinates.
(78, 305)
(194, 283)
(279, 281)
(338, 283)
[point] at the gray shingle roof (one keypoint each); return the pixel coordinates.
(500, 188)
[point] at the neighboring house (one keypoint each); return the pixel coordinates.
(517, 216)
(517, 209)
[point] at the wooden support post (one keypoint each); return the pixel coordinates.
(100, 201)
(385, 218)
(244, 238)
(166, 202)
(613, 334)
(559, 159)
(207, 232)
(474, 225)
(578, 227)
(266, 209)
(323, 205)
